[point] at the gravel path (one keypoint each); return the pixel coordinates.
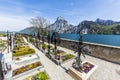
(54, 71)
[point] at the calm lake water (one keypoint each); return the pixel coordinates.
(113, 40)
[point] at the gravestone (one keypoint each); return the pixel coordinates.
(81, 70)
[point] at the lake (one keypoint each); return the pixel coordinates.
(113, 40)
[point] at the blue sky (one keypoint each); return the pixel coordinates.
(15, 14)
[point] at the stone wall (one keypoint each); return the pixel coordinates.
(105, 52)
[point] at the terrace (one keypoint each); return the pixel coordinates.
(91, 60)
(30, 60)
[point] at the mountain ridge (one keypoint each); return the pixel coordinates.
(99, 26)
(105, 22)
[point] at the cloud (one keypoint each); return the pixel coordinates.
(13, 23)
(16, 15)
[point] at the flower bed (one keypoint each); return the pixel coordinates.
(38, 76)
(26, 68)
(19, 39)
(67, 57)
(2, 44)
(61, 55)
(24, 50)
(53, 53)
(87, 67)
(58, 52)
(45, 46)
(2, 35)
(31, 39)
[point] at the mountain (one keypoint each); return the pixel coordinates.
(62, 26)
(105, 22)
(29, 30)
(111, 29)
(86, 27)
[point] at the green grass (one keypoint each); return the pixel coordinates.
(111, 26)
(108, 29)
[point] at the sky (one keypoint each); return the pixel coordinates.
(16, 14)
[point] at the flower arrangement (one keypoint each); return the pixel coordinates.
(87, 67)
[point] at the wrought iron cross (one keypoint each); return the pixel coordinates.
(80, 50)
(56, 40)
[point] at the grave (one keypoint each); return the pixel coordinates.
(88, 69)
(81, 70)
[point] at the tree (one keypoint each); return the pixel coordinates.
(41, 23)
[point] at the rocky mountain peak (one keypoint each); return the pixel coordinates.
(62, 26)
(60, 18)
